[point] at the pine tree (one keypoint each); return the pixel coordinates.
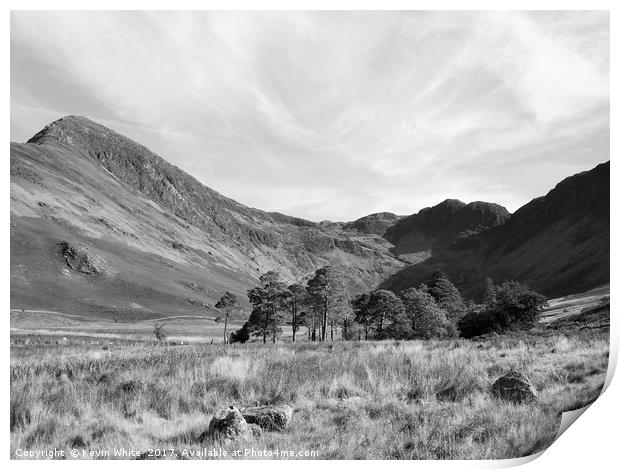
(270, 302)
(329, 297)
(447, 296)
(297, 299)
(227, 305)
(382, 311)
(363, 315)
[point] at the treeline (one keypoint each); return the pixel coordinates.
(324, 306)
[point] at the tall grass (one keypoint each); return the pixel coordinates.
(409, 400)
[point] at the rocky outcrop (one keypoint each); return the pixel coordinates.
(84, 259)
(270, 418)
(447, 221)
(376, 224)
(515, 387)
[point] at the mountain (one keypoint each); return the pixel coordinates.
(557, 244)
(377, 224)
(441, 225)
(101, 225)
(169, 242)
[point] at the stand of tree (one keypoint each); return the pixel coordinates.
(324, 306)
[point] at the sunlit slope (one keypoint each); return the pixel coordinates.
(167, 241)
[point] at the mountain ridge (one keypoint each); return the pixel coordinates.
(78, 181)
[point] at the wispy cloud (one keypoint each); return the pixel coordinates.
(332, 114)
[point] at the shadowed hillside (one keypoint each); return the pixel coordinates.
(558, 243)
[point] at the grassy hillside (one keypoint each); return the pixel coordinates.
(172, 245)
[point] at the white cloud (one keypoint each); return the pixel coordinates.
(332, 115)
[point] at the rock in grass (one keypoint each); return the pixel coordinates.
(228, 424)
(515, 387)
(270, 418)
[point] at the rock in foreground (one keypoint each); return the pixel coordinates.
(270, 418)
(515, 387)
(228, 425)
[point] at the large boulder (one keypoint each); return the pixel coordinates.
(515, 387)
(84, 259)
(228, 424)
(270, 418)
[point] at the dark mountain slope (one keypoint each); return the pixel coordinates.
(557, 244)
(584, 196)
(447, 220)
(434, 229)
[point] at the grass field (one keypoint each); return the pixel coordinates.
(351, 400)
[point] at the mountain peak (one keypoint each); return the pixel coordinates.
(448, 219)
(66, 129)
(455, 203)
(81, 133)
(377, 223)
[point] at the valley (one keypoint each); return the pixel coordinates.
(103, 227)
(109, 242)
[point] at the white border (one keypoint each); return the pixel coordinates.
(591, 443)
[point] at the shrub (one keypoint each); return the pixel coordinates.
(515, 304)
(159, 332)
(241, 335)
(509, 306)
(477, 322)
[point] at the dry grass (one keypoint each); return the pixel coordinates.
(388, 400)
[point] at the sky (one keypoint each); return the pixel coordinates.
(331, 115)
